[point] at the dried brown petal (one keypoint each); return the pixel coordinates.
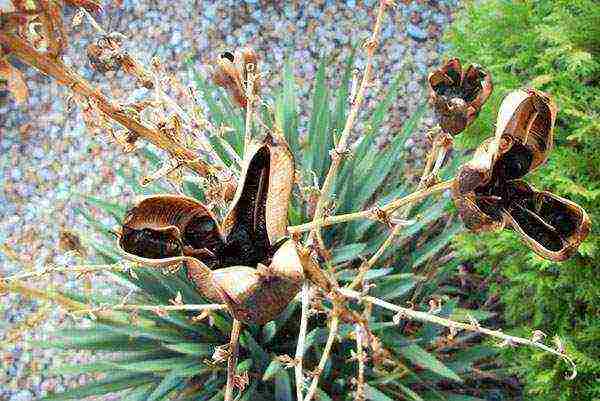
(487, 198)
(267, 176)
(526, 119)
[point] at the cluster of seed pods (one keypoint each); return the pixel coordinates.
(247, 261)
(489, 191)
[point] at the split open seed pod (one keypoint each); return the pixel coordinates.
(490, 194)
(457, 95)
(231, 72)
(552, 226)
(247, 262)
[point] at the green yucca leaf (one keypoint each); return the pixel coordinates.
(374, 394)
(166, 386)
(132, 178)
(286, 109)
(140, 393)
(115, 210)
(114, 343)
(151, 156)
(433, 247)
(411, 395)
(102, 365)
(283, 386)
(274, 367)
(153, 333)
(342, 103)
(115, 382)
(97, 225)
(396, 286)
(260, 356)
(447, 396)
(424, 359)
(348, 275)
(196, 349)
(320, 138)
(347, 252)
(155, 365)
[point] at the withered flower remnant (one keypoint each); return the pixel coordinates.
(246, 262)
(458, 95)
(231, 72)
(107, 54)
(489, 191)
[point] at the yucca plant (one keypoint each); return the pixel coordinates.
(165, 340)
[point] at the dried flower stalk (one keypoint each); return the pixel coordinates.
(232, 360)
(341, 148)
(69, 78)
(473, 326)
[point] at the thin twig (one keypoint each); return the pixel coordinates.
(232, 360)
(408, 313)
(305, 296)
(333, 330)
(368, 214)
(79, 269)
(360, 356)
(341, 148)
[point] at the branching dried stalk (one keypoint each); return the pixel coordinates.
(454, 326)
(361, 357)
(158, 309)
(372, 214)
(333, 331)
(342, 146)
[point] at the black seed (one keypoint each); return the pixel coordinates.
(228, 55)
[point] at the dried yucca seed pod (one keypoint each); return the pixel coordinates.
(231, 72)
(458, 95)
(488, 191)
(256, 270)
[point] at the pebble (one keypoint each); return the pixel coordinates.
(45, 164)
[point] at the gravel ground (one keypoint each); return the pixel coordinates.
(47, 157)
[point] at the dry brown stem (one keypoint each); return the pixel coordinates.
(75, 82)
(341, 148)
(232, 360)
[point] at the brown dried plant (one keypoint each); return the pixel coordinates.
(252, 263)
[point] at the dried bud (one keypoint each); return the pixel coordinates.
(458, 95)
(234, 71)
(69, 241)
